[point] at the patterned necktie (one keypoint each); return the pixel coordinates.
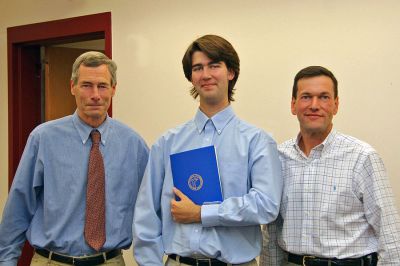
(95, 229)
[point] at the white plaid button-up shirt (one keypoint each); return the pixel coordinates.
(336, 203)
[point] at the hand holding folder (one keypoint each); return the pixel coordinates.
(185, 210)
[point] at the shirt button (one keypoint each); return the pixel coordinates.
(219, 131)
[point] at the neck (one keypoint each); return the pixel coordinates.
(309, 140)
(210, 110)
(93, 122)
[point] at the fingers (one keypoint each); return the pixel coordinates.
(184, 210)
(179, 193)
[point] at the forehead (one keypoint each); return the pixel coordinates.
(94, 73)
(318, 84)
(200, 57)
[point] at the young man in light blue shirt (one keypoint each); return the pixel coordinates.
(223, 233)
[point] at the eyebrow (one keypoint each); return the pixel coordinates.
(89, 82)
(319, 94)
(210, 63)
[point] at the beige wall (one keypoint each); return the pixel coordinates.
(358, 40)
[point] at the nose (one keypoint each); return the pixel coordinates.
(206, 73)
(95, 94)
(314, 105)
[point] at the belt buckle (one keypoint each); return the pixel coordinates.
(208, 260)
(307, 257)
(367, 261)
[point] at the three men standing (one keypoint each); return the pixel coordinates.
(336, 208)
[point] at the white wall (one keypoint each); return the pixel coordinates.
(358, 40)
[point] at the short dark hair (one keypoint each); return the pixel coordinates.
(314, 71)
(217, 49)
(94, 59)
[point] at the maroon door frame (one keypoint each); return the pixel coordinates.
(24, 77)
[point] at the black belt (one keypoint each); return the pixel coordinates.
(79, 261)
(367, 260)
(199, 262)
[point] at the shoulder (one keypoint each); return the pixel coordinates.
(253, 132)
(53, 127)
(286, 148)
(123, 131)
(352, 144)
(287, 145)
(44, 133)
(354, 151)
(176, 132)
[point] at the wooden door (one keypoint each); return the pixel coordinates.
(58, 100)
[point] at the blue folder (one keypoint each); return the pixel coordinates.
(195, 173)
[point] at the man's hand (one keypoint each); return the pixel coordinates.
(185, 211)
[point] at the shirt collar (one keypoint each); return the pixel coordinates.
(220, 119)
(84, 129)
(324, 146)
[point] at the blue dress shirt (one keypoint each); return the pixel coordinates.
(47, 200)
(251, 181)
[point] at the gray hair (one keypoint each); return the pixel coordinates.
(94, 59)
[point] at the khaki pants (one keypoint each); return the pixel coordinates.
(39, 260)
(171, 262)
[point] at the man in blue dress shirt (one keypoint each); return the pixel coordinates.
(223, 233)
(47, 200)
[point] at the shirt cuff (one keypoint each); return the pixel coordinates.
(209, 215)
(9, 263)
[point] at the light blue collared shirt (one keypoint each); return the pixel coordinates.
(47, 200)
(251, 181)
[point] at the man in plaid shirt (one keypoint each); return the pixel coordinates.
(337, 206)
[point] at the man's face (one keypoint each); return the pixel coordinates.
(210, 79)
(315, 105)
(93, 93)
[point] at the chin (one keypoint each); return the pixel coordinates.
(95, 115)
(317, 130)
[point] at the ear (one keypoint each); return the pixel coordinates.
(231, 74)
(336, 106)
(72, 87)
(293, 106)
(113, 90)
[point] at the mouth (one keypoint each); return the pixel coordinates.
(313, 116)
(208, 85)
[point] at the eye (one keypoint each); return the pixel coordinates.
(197, 68)
(324, 97)
(102, 86)
(86, 85)
(305, 97)
(213, 66)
